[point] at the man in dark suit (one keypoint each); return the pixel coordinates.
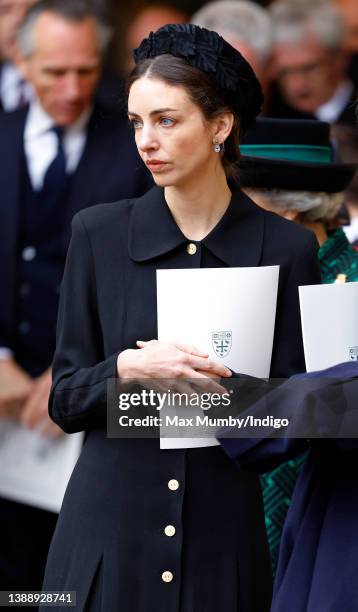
(15, 91)
(60, 155)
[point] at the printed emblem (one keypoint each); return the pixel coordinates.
(222, 342)
(353, 353)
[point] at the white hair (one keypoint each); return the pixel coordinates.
(292, 19)
(313, 205)
(70, 10)
(240, 18)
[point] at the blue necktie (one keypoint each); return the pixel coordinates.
(55, 180)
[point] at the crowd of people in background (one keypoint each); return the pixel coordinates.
(65, 144)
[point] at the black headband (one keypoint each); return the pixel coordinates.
(209, 52)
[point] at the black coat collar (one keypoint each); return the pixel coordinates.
(236, 240)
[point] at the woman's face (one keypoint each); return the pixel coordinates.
(173, 138)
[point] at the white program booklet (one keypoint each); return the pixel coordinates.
(35, 470)
(329, 316)
(227, 312)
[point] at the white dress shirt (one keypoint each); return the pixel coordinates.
(13, 87)
(41, 144)
(351, 230)
(331, 110)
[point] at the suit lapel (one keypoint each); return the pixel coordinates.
(87, 177)
(12, 128)
(1, 103)
(11, 155)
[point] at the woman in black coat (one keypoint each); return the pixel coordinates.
(143, 529)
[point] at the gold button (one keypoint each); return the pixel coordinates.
(167, 576)
(169, 531)
(173, 485)
(191, 249)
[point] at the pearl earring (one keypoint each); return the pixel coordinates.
(217, 146)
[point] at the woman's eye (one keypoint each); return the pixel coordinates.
(135, 124)
(166, 121)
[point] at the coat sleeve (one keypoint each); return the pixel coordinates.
(78, 398)
(317, 405)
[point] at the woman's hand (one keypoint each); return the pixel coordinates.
(165, 360)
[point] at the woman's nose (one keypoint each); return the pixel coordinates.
(146, 139)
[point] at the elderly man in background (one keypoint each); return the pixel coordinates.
(59, 155)
(309, 62)
(246, 26)
(14, 91)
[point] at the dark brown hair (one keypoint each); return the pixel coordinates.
(202, 90)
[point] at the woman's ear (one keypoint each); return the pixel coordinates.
(222, 126)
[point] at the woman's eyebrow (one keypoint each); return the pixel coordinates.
(155, 112)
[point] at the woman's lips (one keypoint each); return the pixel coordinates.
(156, 165)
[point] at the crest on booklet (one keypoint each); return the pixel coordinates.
(353, 353)
(221, 342)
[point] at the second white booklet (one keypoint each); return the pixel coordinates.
(227, 312)
(329, 324)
